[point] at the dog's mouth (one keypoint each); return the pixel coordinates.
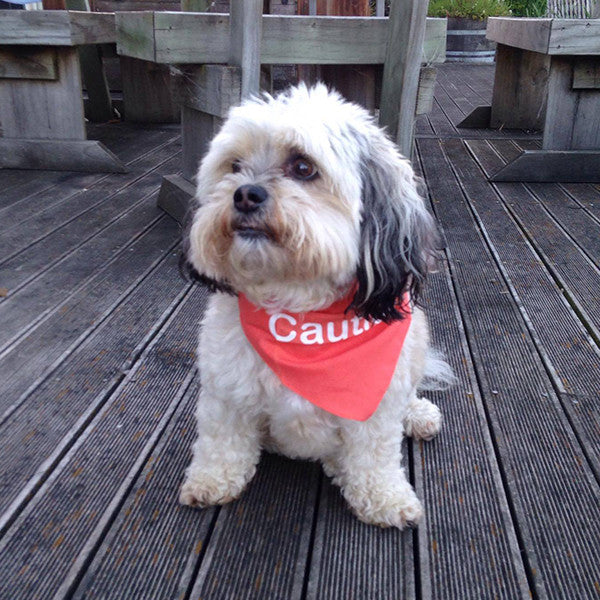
(251, 232)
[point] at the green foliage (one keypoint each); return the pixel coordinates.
(528, 8)
(474, 9)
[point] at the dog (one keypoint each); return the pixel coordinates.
(310, 228)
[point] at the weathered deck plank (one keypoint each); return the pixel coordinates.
(47, 419)
(55, 332)
(459, 480)
(534, 440)
(42, 242)
(52, 540)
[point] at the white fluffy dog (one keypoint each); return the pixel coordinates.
(303, 204)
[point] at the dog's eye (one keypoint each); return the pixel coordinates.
(236, 167)
(302, 169)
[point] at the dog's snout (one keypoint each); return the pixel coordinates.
(248, 198)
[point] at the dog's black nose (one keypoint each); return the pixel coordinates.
(248, 198)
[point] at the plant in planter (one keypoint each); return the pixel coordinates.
(467, 21)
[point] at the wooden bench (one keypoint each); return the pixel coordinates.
(42, 123)
(219, 57)
(547, 77)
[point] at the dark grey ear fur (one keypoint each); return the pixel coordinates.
(398, 236)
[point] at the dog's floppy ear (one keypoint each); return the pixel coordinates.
(187, 269)
(398, 235)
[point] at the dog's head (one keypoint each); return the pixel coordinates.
(301, 198)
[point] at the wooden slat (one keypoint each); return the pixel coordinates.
(56, 28)
(204, 38)
(35, 27)
(574, 359)
(190, 37)
(36, 244)
(455, 479)
(81, 499)
(565, 259)
(35, 192)
(343, 556)
(40, 431)
(533, 439)
(270, 541)
(41, 297)
(528, 34)
(150, 516)
(575, 36)
(548, 36)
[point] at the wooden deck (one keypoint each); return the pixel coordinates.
(97, 336)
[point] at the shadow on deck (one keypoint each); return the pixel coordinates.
(97, 342)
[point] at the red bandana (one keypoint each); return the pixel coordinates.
(338, 361)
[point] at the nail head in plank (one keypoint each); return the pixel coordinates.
(56, 28)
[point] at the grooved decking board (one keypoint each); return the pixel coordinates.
(572, 357)
(38, 351)
(51, 416)
(50, 543)
(118, 138)
(24, 205)
(18, 184)
(553, 493)
(45, 241)
(354, 560)
(154, 543)
(26, 222)
(579, 275)
(586, 195)
(259, 548)
(468, 545)
(21, 310)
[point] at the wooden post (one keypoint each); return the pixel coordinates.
(245, 42)
(403, 56)
(99, 107)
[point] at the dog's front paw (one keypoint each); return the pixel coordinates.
(202, 489)
(423, 419)
(386, 507)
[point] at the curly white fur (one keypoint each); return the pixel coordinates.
(316, 241)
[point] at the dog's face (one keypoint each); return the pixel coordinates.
(301, 196)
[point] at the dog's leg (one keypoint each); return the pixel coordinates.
(370, 475)
(225, 454)
(423, 419)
